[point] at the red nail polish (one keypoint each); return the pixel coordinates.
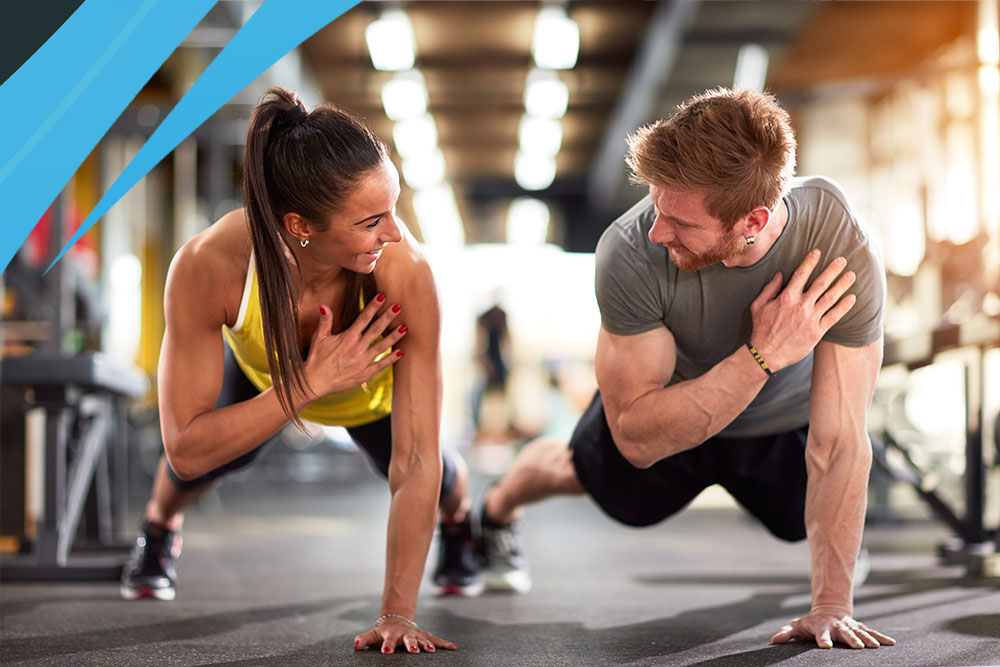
(386, 649)
(322, 310)
(356, 642)
(399, 353)
(395, 308)
(380, 298)
(402, 329)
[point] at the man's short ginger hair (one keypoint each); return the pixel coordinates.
(736, 146)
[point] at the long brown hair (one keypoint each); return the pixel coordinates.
(307, 163)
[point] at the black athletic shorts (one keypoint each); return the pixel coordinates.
(374, 439)
(766, 475)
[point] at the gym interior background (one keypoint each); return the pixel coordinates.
(511, 166)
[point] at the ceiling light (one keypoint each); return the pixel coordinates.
(540, 135)
(533, 171)
(751, 67)
(405, 95)
(414, 136)
(424, 170)
(438, 216)
(390, 41)
(545, 96)
(527, 222)
(556, 41)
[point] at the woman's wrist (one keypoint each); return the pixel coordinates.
(400, 617)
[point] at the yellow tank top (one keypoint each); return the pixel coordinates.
(353, 407)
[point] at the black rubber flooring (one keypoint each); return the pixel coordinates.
(282, 573)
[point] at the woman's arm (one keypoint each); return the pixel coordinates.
(415, 468)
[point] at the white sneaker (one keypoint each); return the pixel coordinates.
(504, 568)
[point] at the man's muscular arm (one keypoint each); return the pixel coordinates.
(838, 459)
(650, 422)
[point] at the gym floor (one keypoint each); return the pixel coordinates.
(287, 573)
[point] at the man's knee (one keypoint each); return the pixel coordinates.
(553, 457)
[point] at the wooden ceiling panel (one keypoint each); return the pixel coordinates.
(608, 30)
(460, 31)
(851, 40)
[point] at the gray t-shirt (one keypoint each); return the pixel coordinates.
(708, 311)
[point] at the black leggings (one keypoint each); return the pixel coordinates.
(374, 439)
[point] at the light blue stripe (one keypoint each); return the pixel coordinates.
(78, 89)
(276, 28)
(61, 101)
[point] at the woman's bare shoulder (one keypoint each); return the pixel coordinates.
(212, 267)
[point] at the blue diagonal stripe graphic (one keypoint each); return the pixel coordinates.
(276, 28)
(61, 101)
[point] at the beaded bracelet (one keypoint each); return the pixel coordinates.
(756, 355)
(402, 618)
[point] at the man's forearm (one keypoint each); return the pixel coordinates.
(836, 499)
(673, 419)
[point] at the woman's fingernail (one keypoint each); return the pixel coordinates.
(395, 308)
(386, 649)
(402, 329)
(380, 298)
(322, 310)
(399, 353)
(356, 643)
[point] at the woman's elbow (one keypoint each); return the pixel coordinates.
(181, 463)
(414, 467)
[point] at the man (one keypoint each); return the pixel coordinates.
(726, 354)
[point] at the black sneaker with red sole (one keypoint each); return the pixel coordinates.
(150, 571)
(457, 571)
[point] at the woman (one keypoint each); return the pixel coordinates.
(316, 283)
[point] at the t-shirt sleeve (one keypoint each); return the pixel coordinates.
(863, 323)
(627, 287)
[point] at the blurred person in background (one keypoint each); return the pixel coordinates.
(728, 354)
(492, 352)
(310, 283)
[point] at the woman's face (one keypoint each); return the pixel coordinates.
(365, 226)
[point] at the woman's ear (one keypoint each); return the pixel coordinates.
(297, 226)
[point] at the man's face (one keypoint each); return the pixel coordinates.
(693, 237)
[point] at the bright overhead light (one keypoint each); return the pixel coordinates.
(556, 41)
(533, 171)
(751, 67)
(545, 96)
(438, 216)
(405, 95)
(542, 136)
(424, 170)
(415, 136)
(527, 222)
(390, 41)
